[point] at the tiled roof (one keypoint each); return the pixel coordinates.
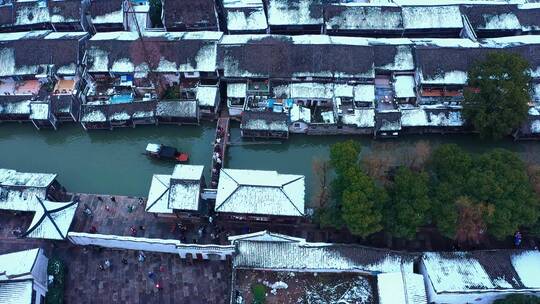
(300, 255)
(482, 270)
(260, 192)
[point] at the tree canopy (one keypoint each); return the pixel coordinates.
(495, 185)
(356, 200)
(409, 204)
(498, 93)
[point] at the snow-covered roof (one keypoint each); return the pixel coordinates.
(22, 53)
(31, 12)
(207, 95)
(94, 116)
(18, 272)
(299, 255)
(16, 292)
(107, 12)
(404, 86)
(363, 16)
(177, 108)
(18, 265)
(39, 111)
(431, 17)
(188, 172)
(276, 55)
(179, 191)
(173, 52)
(245, 15)
(16, 107)
(260, 192)
(364, 92)
(311, 90)
(427, 116)
(298, 12)
(362, 118)
(52, 221)
(13, 178)
(401, 288)
(299, 113)
(494, 270)
(237, 90)
(264, 121)
(158, 195)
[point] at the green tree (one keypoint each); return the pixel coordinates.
(497, 95)
(356, 201)
(344, 154)
(518, 299)
(499, 178)
(450, 166)
(410, 203)
(362, 202)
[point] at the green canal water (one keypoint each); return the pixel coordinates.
(113, 162)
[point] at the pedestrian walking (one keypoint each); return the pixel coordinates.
(124, 261)
(152, 275)
(107, 264)
(93, 229)
(133, 231)
(517, 239)
(141, 257)
(113, 199)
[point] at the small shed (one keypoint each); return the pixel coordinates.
(42, 116)
(177, 112)
(208, 98)
(264, 124)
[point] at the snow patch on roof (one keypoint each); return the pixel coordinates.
(428, 17)
(501, 22)
(39, 111)
(451, 77)
(113, 17)
(527, 265)
(461, 272)
(361, 118)
(32, 15)
(404, 86)
(280, 12)
(299, 113)
(207, 95)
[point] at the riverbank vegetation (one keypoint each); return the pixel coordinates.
(497, 95)
(465, 196)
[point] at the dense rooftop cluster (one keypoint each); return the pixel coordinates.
(303, 66)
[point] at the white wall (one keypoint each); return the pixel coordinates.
(151, 245)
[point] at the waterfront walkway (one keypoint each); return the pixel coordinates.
(219, 155)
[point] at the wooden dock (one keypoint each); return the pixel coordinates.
(219, 146)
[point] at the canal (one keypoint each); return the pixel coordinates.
(114, 162)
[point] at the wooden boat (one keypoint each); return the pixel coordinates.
(166, 152)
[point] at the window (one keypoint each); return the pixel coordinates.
(296, 125)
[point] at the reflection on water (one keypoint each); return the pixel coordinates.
(114, 161)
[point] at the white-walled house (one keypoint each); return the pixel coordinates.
(23, 277)
(479, 277)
